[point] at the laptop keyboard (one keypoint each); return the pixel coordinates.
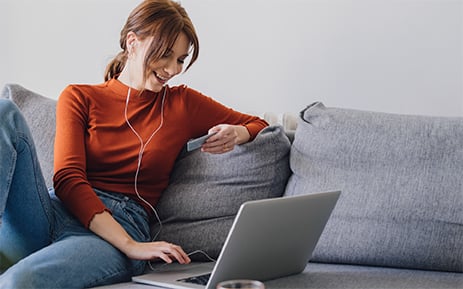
(200, 280)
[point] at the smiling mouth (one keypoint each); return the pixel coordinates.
(160, 79)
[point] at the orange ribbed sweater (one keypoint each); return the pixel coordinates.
(94, 147)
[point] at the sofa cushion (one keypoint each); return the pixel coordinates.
(401, 181)
(39, 112)
(336, 276)
(205, 191)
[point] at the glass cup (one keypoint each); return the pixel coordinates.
(242, 284)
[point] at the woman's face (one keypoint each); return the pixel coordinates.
(162, 70)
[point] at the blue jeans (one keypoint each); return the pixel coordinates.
(41, 244)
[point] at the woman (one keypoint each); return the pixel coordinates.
(115, 147)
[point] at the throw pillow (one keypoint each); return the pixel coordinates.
(401, 181)
(205, 192)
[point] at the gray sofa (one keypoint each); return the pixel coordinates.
(397, 224)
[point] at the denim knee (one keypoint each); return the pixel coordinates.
(10, 116)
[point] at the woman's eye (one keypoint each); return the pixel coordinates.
(167, 53)
(181, 61)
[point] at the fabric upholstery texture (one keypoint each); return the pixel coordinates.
(401, 181)
(39, 112)
(337, 276)
(205, 192)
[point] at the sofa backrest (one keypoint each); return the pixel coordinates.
(401, 181)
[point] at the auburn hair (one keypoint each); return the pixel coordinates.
(163, 20)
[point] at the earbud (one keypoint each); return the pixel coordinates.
(130, 47)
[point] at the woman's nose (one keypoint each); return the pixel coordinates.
(173, 68)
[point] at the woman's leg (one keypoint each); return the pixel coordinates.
(25, 208)
(78, 261)
(77, 258)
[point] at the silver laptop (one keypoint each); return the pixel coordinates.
(269, 238)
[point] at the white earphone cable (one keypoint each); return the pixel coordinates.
(140, 153)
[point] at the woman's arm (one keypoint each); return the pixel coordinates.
(105, 226)
(231, 127)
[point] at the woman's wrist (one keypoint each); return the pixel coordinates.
(243, 135)
(105, 226)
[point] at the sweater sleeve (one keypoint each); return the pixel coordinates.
(70, 179)
(207, 113)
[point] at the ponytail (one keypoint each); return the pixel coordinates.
(115, 67)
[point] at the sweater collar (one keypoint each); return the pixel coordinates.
(121, 89)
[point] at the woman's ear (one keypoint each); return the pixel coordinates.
(131, 41)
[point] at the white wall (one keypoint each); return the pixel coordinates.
(402, 56)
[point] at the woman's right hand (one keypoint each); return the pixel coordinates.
(105, 226)
(152, 250)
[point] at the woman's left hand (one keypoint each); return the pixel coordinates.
(225, 139)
